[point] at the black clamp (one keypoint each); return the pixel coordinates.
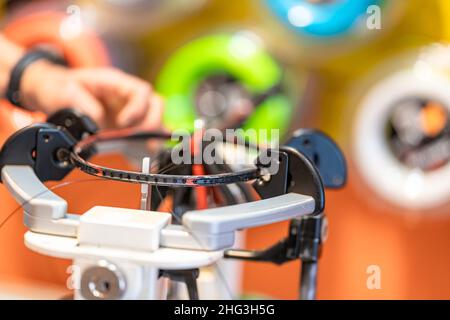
(295, 173)
(309, 162)
(45, 147)
(78, 124)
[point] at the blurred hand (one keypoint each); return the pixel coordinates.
(109, 96)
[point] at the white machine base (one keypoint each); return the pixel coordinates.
(137, 271)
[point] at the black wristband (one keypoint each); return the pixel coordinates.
(13, 90)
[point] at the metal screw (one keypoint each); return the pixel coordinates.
(103, 282)
(63, 156)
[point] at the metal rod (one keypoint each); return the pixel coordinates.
(308, 280)
(146, 190)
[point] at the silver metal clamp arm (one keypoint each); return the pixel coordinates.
(250, 214)
(44, 211)
(213, 229)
